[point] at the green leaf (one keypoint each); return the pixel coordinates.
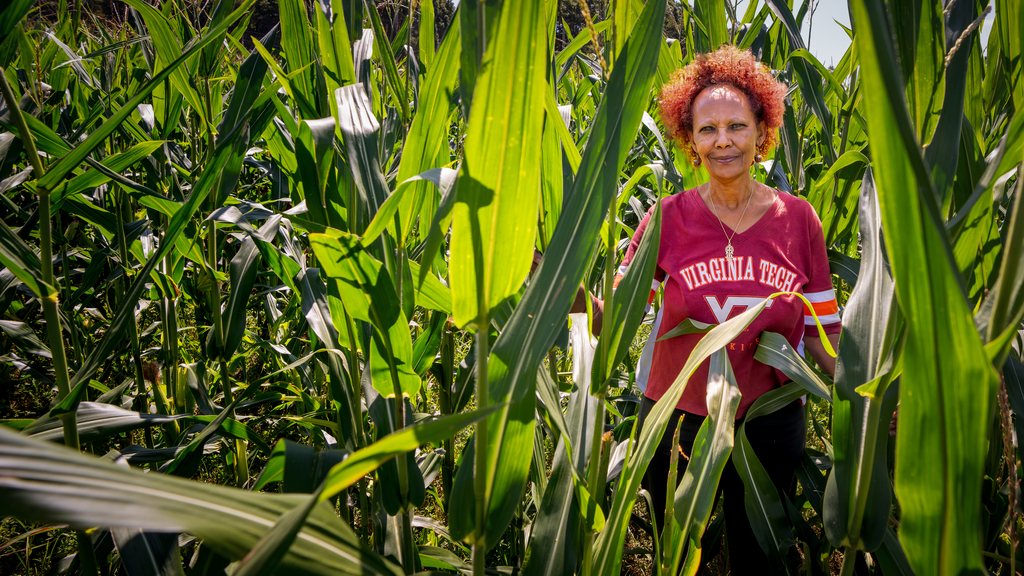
(168, 52)
(368, 293)
(115, 163)
(21, 334)
(774, 350)
(368, 459)
(243, 268)
(540, 315)
(761, 499)
(97, 421)
(359, 128)
(297, 42)
(11, 15)
(66, 164)
(948, 383)
(22, 261)
(494, 219)
(248, 83)
(553, 536)
(630, 302)
(314, 149)
(609, 544)
(43, 482)
(335, 46)
(807, 77)
(860, 429)
(712, 14)
(426, 33)
(387, 57)
(695, 496)
(1008, 292)
(268, 552)
(426, 146)
(441, 178)
(431, 294)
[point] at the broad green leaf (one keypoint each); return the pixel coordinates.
(300, 53)
(21, 334)
(426, 146)
(553, 536)
(712, 14)
(947, 384)
(774, 350)
(860, 428)
(533, 327)
(22, 261)
(49, 483)
(568, 146)
(11, 15)
(268, 552)
(242, 275)
(697, 491)
(359, 128)
(1008, 298)
(441, 178)
(494, 219)
(609, 544)
(761, 499)
(314, 149)
(368, 293)
(630, 302)
(335, 46)
(943, 151)
(432, 294)
(147, 553)
(246, 91)
(426, 39)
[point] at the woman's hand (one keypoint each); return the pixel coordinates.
(817, 351)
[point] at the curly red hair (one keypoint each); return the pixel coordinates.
(727, 65)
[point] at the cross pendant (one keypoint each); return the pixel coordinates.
(728, 253)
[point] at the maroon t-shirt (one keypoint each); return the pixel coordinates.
(784, 251)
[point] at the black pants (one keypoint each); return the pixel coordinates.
(778, 440)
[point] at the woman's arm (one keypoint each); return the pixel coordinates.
(579, 306)
(817, 351)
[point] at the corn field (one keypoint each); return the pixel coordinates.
(279, 311)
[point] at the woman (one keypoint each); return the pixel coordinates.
(724, 246)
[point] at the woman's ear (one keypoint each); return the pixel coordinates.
(762, 133)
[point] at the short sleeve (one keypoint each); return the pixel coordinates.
(819, 290)
(634, 245)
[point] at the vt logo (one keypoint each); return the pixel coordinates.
(723, 311)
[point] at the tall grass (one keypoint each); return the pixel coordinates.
(286, 304)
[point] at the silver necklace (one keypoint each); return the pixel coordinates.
(728, 247)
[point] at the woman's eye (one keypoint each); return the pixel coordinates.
(738, 126)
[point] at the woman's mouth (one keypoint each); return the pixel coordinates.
(724, 159)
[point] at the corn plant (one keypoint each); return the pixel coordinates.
(295, 319)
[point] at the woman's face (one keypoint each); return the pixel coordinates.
(725, 132)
